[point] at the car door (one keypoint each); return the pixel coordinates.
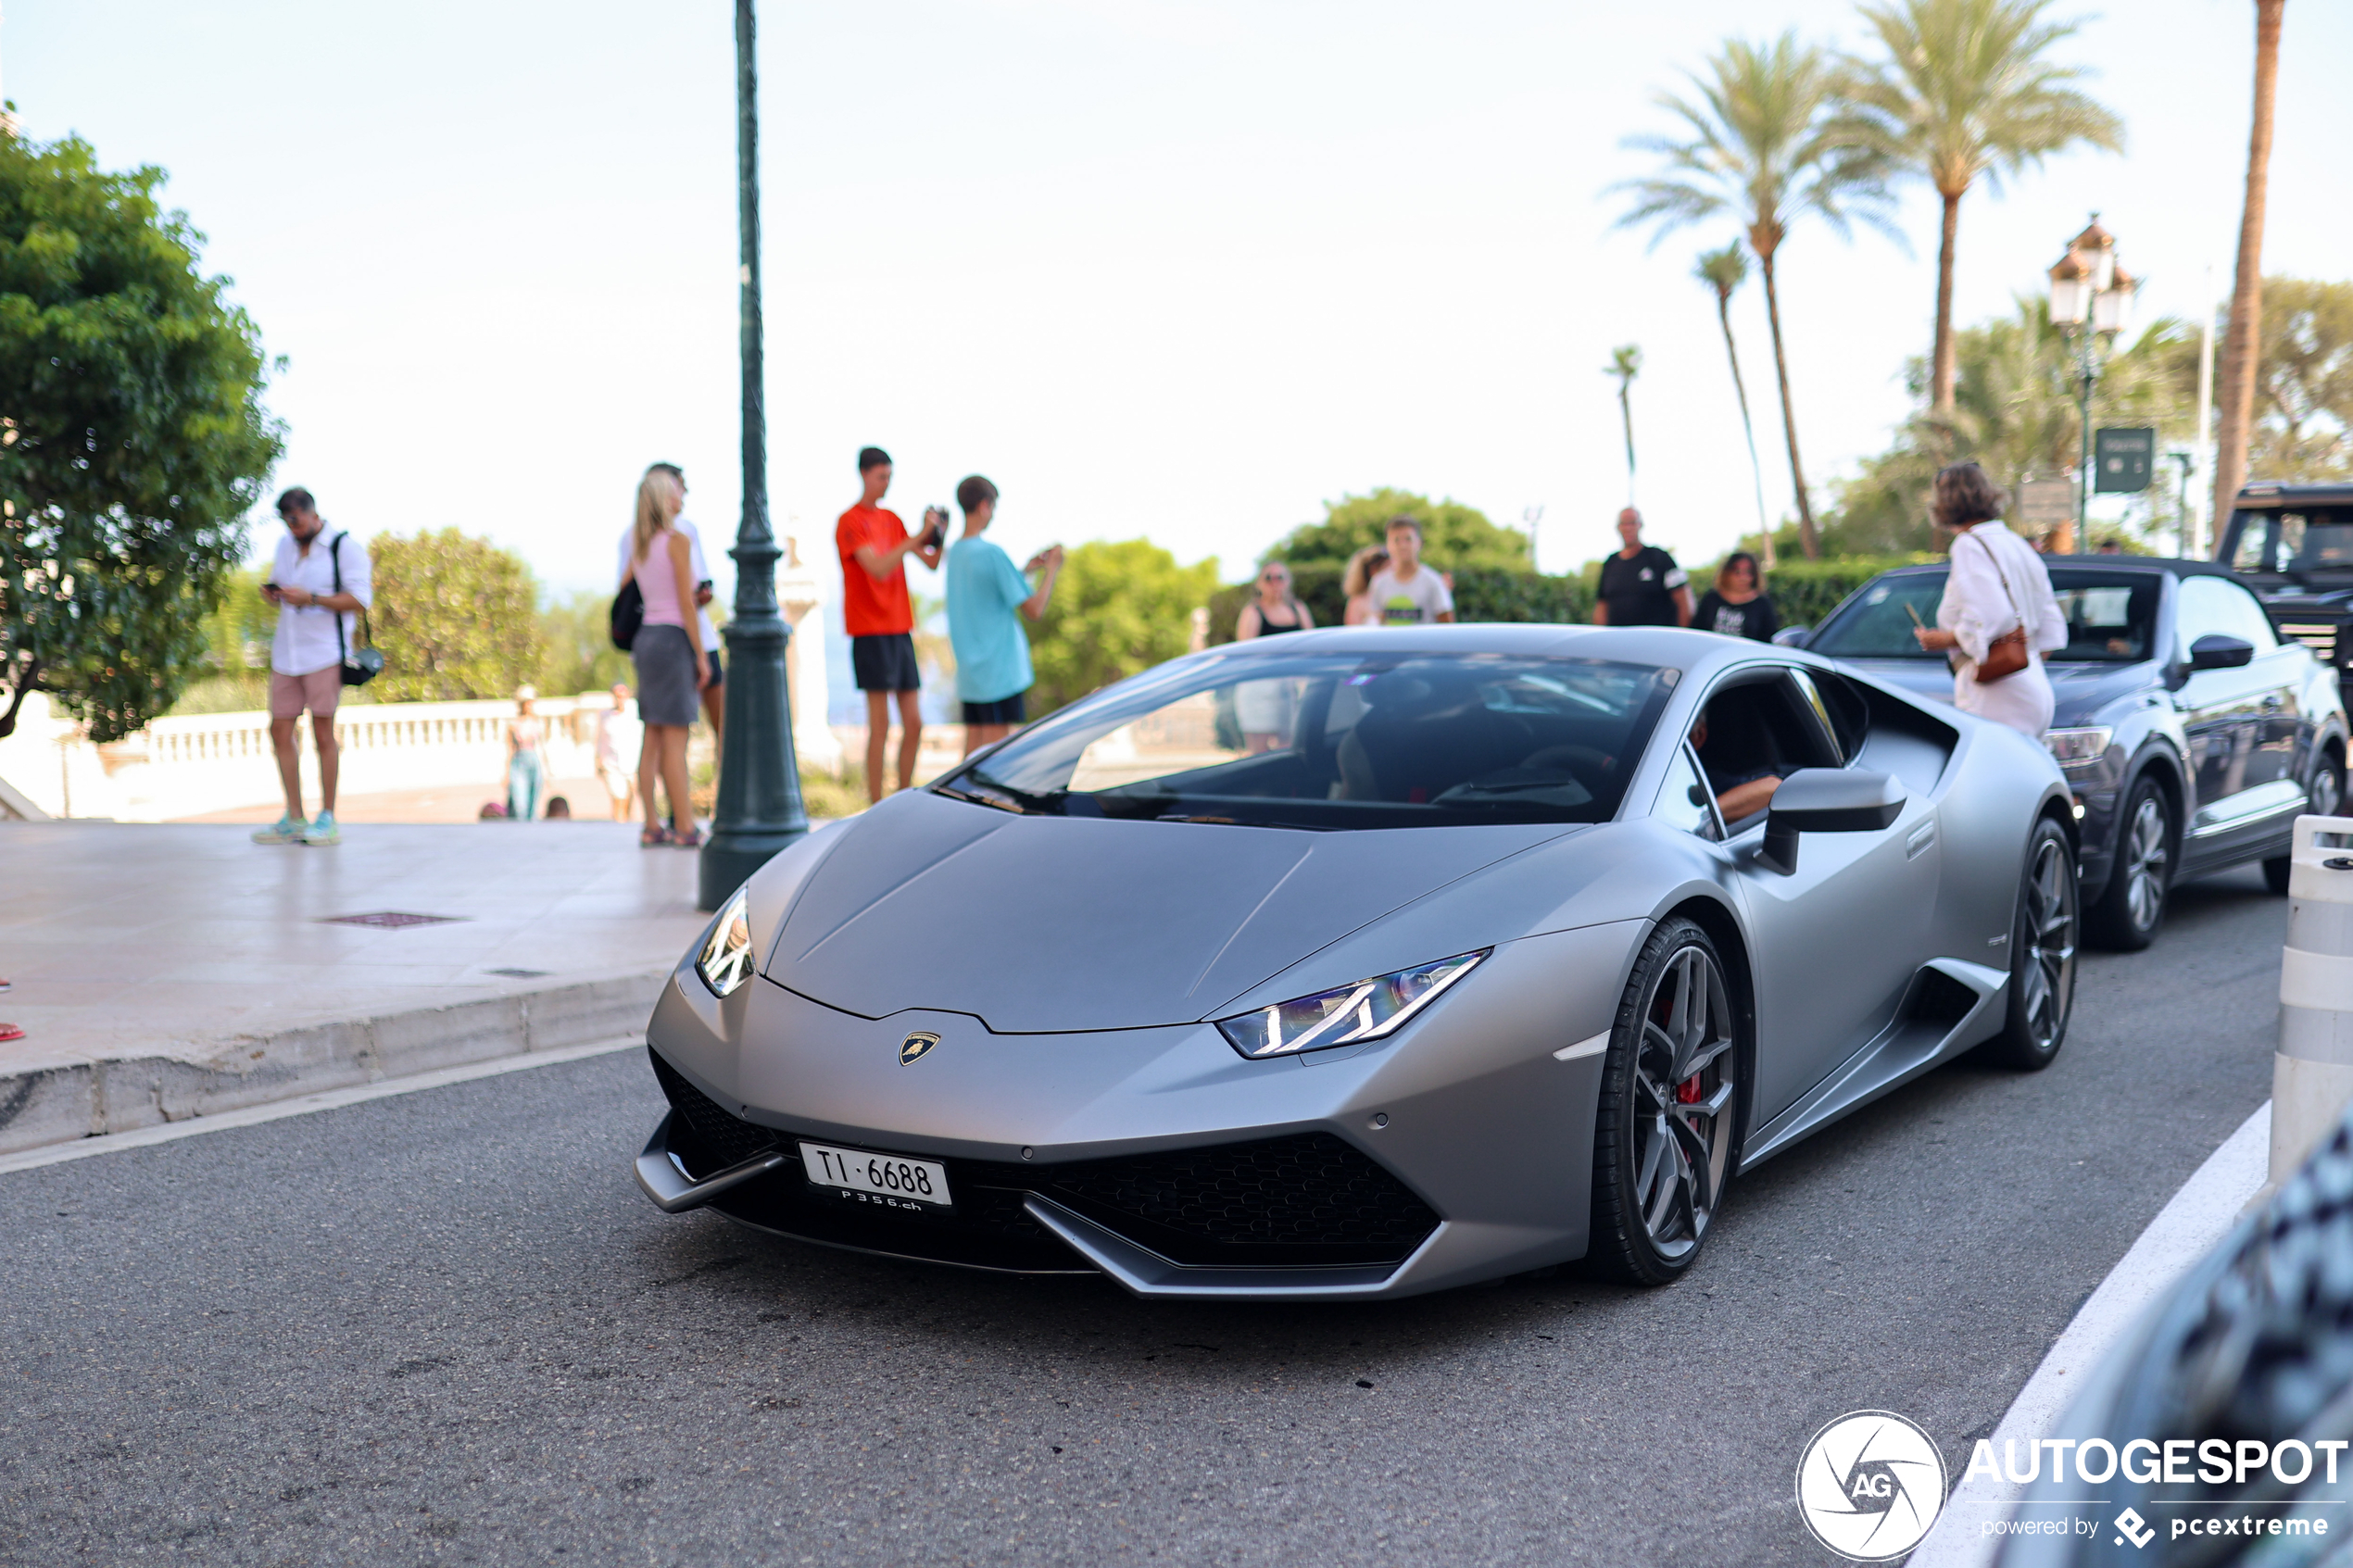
(2234, 719)
(1836, 942)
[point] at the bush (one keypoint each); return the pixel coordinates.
(456, 617)
(1806, 591)
(576, 635)
(1118, 608)
(1452, 534)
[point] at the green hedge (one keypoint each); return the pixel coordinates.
(1806, 591)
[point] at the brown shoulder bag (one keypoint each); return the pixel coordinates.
(2005, 655)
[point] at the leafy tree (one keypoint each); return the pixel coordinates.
(2015, 412)
(1118, 610)
(2235, 392)
(1764, 145)
(575, 633)
(132, 439)
(2304, 384)
(1725, 270)
(455, 617)
(1453, 536)
(1966, 94)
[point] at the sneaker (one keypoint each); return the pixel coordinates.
(323, 830)
(289, 830)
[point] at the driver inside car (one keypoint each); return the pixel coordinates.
(1742, 794)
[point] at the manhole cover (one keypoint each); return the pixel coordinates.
(518, 973)
(391, 919)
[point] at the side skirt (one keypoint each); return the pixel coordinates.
(1925, 1032)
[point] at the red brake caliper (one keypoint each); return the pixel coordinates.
(1687, 1092)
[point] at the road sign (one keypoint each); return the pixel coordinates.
(2124, 460)
(2043, 503)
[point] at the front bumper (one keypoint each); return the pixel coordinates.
(1458, 1149)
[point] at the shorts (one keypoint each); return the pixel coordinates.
(318, 691)
(717, 670)
(885, 662)
(1004, 711)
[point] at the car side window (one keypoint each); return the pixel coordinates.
(2254, 552)
(1684, 801)
(1840, 708)
(2212, 605)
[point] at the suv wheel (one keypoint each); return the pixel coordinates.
(2324, 797)
(2132, 905)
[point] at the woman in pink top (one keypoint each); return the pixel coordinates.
(673, 665)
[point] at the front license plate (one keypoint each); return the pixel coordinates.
(892, 1180)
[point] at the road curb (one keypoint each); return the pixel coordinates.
(94, 1097)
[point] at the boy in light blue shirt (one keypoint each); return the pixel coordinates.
(987, 597)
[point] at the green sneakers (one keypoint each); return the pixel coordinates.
(323, 830)
(289, 830)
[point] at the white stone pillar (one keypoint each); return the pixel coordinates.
(800, 591)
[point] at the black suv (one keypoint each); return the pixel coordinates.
(2293, 543)
(2191, 734)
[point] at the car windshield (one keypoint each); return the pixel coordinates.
(1337, 741)
(2111, 617)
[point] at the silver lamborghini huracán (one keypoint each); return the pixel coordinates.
(1363, 962)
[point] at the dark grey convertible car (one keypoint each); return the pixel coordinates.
(2192, 734)
(1362, 962)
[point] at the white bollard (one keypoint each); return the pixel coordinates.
(2313, 1076)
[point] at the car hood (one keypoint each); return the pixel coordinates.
(1040, 924)
(2077, 691)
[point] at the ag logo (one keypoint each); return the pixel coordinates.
(915, 1046)
(1869, 1486)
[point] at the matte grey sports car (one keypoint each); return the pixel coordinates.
(1363, 962)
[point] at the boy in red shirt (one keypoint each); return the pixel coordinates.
(881, 622)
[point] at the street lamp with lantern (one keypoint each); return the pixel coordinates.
(2091, 298)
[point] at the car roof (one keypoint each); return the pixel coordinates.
(2172, 566)
(1665, 646)
(2265, 495)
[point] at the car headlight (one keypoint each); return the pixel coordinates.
(2087, 744)
(1363, 1010)
(724, 962)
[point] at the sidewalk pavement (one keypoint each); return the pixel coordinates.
(166, 970)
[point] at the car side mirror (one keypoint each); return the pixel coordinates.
(1792, 636)
(1828, 800)
(2218, 650)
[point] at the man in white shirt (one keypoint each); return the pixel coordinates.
(316, 623)
(714, 696)
(1406, 593)
(619, 734)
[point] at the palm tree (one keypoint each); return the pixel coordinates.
(1725, 270)
(1626, 363)
(1965, 94)
(2236, 399)
(1765, 148)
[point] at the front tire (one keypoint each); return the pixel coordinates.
(2131, 907)
(2043, 939)
(1671, 1102)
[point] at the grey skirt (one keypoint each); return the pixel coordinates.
(669, 688)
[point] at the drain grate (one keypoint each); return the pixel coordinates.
(390, 920)
(520, 973)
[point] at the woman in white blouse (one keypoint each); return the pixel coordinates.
(1995, 585)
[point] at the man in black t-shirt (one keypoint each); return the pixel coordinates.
(1641, 585)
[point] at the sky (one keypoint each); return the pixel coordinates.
(1178, 268)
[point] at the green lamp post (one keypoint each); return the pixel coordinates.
(2090, 296)
(759, 811)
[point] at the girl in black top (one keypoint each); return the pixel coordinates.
(1738, 605)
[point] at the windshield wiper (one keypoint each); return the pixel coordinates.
(1019, 802)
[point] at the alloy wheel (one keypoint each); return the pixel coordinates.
(2328, 789)
(1684, 1092)
(2146, 857)
(2047, 970)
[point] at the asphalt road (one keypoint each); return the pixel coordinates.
(445, 1327)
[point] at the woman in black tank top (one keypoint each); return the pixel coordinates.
(1274, 609)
